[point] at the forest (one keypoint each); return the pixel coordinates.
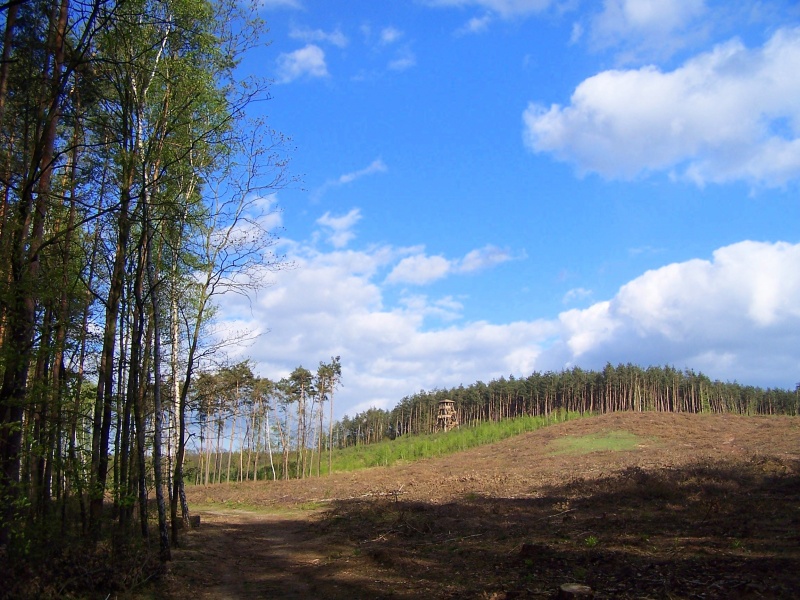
(135, 190)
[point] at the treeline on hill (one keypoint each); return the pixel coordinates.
(621, 388)
(252, 428)
(131, 195)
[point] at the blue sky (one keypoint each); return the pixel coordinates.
(496, 187)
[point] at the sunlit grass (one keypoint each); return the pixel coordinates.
(416, 447)
(615, 441)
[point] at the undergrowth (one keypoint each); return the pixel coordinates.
(71, 567)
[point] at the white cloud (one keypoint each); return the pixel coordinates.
(623, 16)
(739, 309)
(420, 269)
(587, 328)
(483, 258)
(476, 24)
(735, 316)
(272, 4)
(505, 8)
(376, 166)
(308, 61)
(335, 37)
(329, 306)
(404, 60)
(340, 229)
(444, 309)
(649, 26)
(389, 35)
(732, 114)
(576, 294)
(577, 33)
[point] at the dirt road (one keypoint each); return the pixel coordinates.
(239, 554)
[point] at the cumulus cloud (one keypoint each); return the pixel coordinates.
(444, 309)
(733, 316)
(421, 269)
(308, 62)
(330, 306)
(731, 114)
(705, 314)
(335, 37)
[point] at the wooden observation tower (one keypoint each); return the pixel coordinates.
(447, 418)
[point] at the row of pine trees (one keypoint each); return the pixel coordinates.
(621, 388)
(250, 428)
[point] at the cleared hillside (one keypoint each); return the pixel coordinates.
(633, 504)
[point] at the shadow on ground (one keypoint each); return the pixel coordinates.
(726, 529)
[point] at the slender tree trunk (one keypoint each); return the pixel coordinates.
(330, 434)
(230, 446)
(140, 422)
(157, 395)
(268, 434)
(103, 403)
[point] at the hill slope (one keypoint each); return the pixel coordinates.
(632, 504)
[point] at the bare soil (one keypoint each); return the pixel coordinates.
(705, 506)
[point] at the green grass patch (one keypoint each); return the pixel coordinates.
(416, 447)
(614, 441)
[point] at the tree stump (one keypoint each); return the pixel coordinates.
(573, 591)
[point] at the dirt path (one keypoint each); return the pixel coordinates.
(238, 554)
(703, 507)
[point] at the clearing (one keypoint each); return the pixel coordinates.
(635, 505)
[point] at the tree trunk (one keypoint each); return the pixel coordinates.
(157, 397)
